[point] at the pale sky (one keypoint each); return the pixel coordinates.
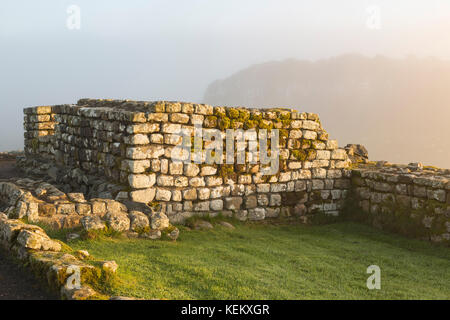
(172, 49)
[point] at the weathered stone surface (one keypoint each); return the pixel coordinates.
(251, 202)
(138, 221)
(98, 208)
(338, 154)
(300, 209)
(201, 206)
(151, 234)
(190, 194)
(191, 169)
(226, 225)
(135, 166)
(76, 197)
(143, 196)
(216, 205)
(117, 221)
(65, 208)
(10, 228)
(163, 194)
(357, 152)
(272, 212)
(233, 203)
(159, 221)
(83, 209)
(37, 240)
(202, 225)
(256, 214)
(174, 234)
(141, 181)
(83, 293)
(82, 254)
(92, 223)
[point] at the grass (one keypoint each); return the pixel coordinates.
(258, 261)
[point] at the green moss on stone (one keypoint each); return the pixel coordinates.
(233, 113)
(256, 117)
(265, 124)
(226, 171)
(300, 155)
(311, 154)
(224, 123)
(250, 124)
(244, 115)
(35, 144)
(306, 144)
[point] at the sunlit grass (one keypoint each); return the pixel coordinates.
(277, 262)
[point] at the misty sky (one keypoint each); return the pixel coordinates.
(173, 49)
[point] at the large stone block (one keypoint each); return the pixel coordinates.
(216, 205)
(190, 194)
(141, 181)
(165, 180)
(338, 154)
(163, 194)
(145, 152)
(92, 223)
(233, 203)
(118, 221)
(191, 169)
(257, 214)
(37, 240)
(143, 196)
(135, 166)
(137, 139)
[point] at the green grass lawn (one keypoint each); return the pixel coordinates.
(277, 262)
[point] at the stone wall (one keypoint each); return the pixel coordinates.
(41, 202)
(39, 125)
(122, 151)
(131, 143)
(407, 200)
(46, 259)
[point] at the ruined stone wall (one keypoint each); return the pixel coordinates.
(39, 125)
(414, 202)
(51, 263)
(131, 144)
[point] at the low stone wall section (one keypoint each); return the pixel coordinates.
(41, 202)
(33, 248)
(407, 200)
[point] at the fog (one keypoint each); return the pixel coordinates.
(174, 49)
(398, 108)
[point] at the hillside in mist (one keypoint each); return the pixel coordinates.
(398, 108)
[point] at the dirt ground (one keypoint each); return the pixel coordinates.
(8, 169)
(16, 283)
